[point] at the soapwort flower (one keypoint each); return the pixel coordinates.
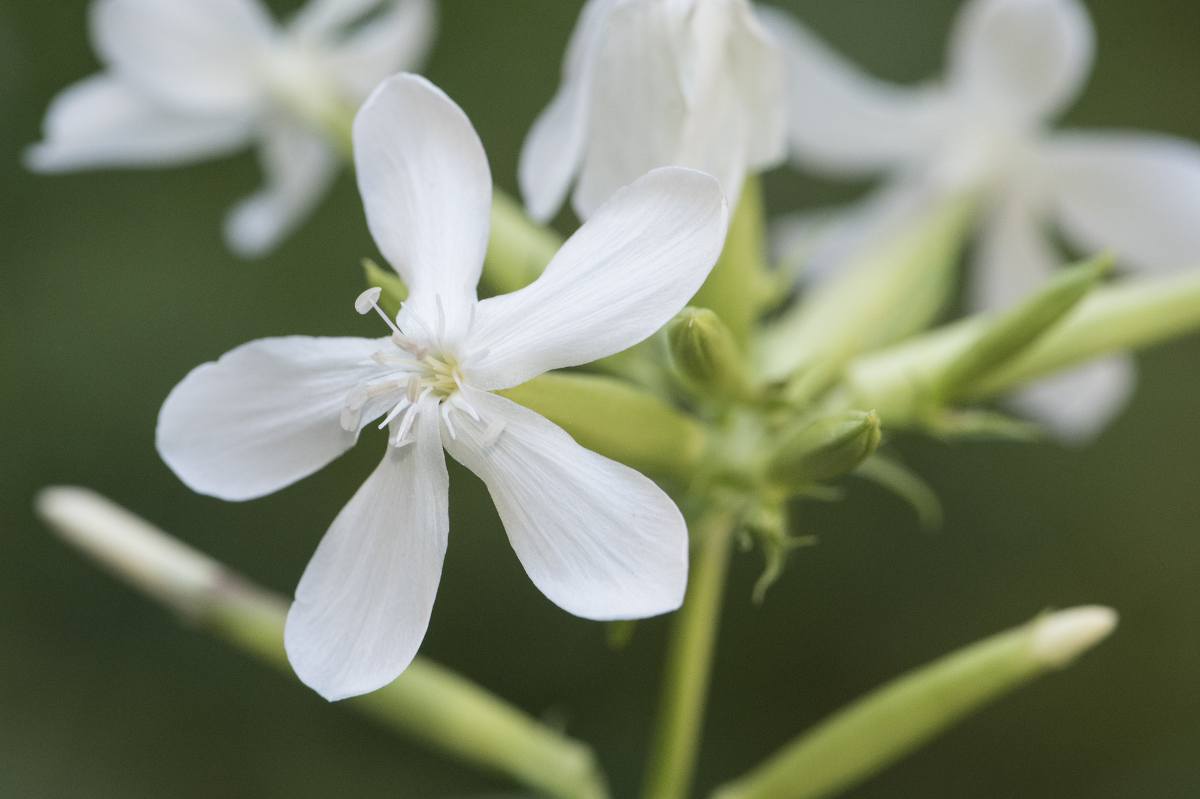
(186, 80)
(598, 538)
(649, 83)
(1014, 65)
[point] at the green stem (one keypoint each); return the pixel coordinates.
(689, 663)
(428, 703)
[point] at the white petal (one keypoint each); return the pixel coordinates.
(363, 604)
(1014, 257)
(324, 19)
(1027, 57)
(757, 66)
(638, 103)
(554, 147)
(427, 190)
(397, 40)
(597, 538)
(102, 121)
(263, 416)
(1135, 194)
(196, 56)
(1078, 404)
(621, 277)
(841, 119)
(299, 168)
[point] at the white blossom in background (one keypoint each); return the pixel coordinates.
(186, 80)
(1014, 65)
(650, 83)
(599, 539)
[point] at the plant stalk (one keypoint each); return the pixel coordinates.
(689, 663)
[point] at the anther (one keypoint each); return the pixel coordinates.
(370, 299)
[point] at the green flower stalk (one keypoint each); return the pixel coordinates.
(428, 703)
(887, 724)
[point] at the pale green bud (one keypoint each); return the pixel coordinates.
(825, 449)
(1010, 333)
(618, 420)
(705, 354)
(392, 288)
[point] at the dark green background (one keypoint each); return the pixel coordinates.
(116, 283)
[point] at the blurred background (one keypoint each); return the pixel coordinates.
(115, 284)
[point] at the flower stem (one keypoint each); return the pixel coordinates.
(428, 703)
(689, 663)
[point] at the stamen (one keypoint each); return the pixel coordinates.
(400, 408)
(441, 319)
(461, 397)
(370, 299)
(493, 432)
(409, 418)
(446, 420)
(423, 329)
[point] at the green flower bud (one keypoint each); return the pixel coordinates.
(705, 354)
(618, 420)
(827, 448)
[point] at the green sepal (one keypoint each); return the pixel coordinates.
(897, 478)
(981, 425)
(1012, 332)
(394, 290)
(619, 421)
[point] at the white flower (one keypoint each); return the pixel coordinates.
(649, 83)
(599, 539)
(186, 80)
(1013, 66)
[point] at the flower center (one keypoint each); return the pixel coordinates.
(419, 368)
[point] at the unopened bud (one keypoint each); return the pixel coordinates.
(706, 355)
(133, 549)
(827, 448)
(1061, 637)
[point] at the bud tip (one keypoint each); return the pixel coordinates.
(127, 545)
(1061, 637)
